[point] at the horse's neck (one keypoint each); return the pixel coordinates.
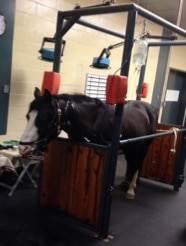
(83, 114)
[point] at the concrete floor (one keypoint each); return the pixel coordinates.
(156, 217)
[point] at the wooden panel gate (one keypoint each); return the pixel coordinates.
(76, 180)
(160, 163)
(73, 183)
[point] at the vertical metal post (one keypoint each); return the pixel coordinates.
(161, 75)
(180, 10)
(129, 38)
(58, 44)
(140, 82)
(179, 177)
(113, 152)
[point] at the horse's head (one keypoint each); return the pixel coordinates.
(43, 123)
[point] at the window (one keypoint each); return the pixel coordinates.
(96, 86)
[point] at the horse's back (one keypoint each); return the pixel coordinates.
(139, 118)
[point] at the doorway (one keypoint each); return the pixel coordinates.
(174, 107)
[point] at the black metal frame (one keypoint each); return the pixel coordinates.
(73, 16)
(65, 20)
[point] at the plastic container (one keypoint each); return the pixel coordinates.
(140, 52)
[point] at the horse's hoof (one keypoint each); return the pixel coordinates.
(130, 196)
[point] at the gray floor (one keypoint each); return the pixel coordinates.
(155, 218)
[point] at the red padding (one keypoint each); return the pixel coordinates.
(51, 81)
(144, 90)
(116, 89)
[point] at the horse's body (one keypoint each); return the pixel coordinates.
(89, 119)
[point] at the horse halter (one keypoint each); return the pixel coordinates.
(53, 130)
(55, 125)
(58, 121)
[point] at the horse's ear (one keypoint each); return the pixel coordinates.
(37, 92)
(47, 95)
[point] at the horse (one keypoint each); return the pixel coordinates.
(84, 118)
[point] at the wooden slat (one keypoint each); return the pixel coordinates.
(72, 180)
(160, 164)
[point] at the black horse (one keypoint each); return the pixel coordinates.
(89, 119)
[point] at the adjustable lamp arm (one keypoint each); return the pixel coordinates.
(115, 45)
(104, 62)
(106, 51)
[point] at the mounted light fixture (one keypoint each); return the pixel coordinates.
(103, 61)
(47, 53)
(140, 49)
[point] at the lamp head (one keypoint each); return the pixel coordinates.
(101, 63)
(47, 54)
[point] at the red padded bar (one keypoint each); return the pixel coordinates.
(144, 90)
(116, 89)
(51, 81)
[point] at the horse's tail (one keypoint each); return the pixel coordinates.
(153, 116)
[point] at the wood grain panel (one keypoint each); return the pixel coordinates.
(72, 180)
(160, 164)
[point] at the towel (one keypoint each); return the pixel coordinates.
(6, 164)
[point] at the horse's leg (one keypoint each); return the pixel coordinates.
(131, 159)
(127, 178)
(134, 163)
(131, 190)
(125, 183)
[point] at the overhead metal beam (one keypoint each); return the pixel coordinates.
(124, 8)
(159, 20)
(101, 29)
(167, 43)
(68, 24)
(98, 10)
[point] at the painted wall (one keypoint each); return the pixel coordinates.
(178, 60)
(35, 19)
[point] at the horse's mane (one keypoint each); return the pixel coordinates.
(78, 98)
